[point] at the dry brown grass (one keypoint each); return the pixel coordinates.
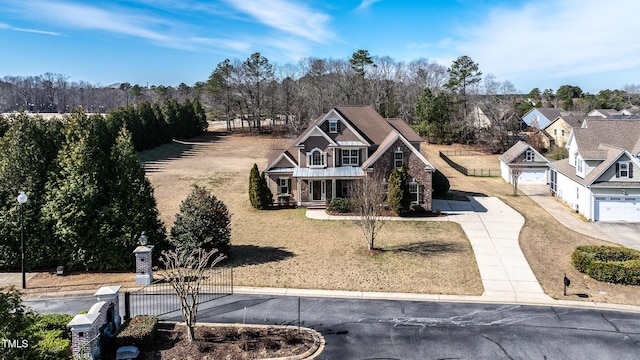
(282, 248)
(546, 243)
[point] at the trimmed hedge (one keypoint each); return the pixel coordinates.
(611, 264)
(339, 205)
(140, 331)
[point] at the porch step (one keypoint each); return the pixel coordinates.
(317, 207)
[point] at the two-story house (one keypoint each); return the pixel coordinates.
(344, 145)
(600, 178)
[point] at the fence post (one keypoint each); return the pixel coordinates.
(127, 306)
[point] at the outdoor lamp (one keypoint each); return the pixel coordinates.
(143, 239)
(22, 198)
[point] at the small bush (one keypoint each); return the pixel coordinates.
(55, 322)
(440, 184)
(52, 345)
(339, 205)
(140, 331)
(608, 263)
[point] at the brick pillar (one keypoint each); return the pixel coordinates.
(144, 272)
(111, 295)
(82, 331)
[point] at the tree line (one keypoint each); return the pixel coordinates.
(440, 100)
(88, 196)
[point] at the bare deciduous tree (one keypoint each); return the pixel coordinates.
(515, 176)
(367, 196)
(185, 270)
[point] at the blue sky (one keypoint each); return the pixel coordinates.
(589, 43)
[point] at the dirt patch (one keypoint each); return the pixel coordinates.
(227, 342)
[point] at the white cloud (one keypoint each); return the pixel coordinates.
(555, 39)
(35, 31)
(291, 18)
(365, 4)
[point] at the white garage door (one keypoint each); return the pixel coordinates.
(617, 209)
(533, 176)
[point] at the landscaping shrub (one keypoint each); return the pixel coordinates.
(339, 205)
(608, 263)
(140, 331)
(398, 196)
(440, 184)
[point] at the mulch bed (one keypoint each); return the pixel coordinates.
(228, 342)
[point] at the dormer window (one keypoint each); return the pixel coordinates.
(398, 159)
(623, 169)
(529, 156)
(333, 126)
(316, 158)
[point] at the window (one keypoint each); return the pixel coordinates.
(555, 132)
(623, 170)
(333, 126)
(529, 156)
(562, 132)
(579, 165)
(414, 191)
(284, 186)
(350, 157)
(398, 159)
(342, 188)
(316, 158)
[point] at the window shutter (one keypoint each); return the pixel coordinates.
(630, 171)
(289, 185)
(617, 170)
(420, 193)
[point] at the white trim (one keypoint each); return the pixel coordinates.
(310, 155)
(315, 131)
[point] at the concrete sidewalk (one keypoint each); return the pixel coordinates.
(493, 229)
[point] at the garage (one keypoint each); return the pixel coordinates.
(617, 209)
(533, 176)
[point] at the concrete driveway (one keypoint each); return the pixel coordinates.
(627, 234)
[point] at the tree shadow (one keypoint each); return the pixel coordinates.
(426, 249)
(464, 194)
(242, 255)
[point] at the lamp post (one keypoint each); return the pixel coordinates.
(22, 198)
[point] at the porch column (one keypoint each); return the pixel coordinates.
(299, 190)
(333, 188)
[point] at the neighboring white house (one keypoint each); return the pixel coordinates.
(597, 180)
(532, 165)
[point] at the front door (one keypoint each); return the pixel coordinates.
(317, 190)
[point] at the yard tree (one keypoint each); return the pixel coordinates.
(398, 196)
(132, 207)
(463, 74)
(260, 195)
(203, 222)
(16, 324)
(185, 269)
(433, 114)
(516, 171)
(258, 71)
(29, 148)
(367, 199)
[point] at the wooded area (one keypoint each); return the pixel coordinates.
(440, 100)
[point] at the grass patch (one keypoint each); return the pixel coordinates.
(283, 248)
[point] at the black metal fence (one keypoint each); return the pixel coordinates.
(160, 298)
(464, 170)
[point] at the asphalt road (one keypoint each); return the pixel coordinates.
(382, 329)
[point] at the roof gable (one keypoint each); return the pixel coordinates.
(386, 145)
(518, 149)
